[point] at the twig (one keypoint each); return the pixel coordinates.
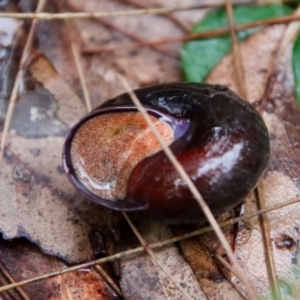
(154, 258)
(87, 15)
(268, 244)
(231, 269)
(107, 278)
(86, 93)
(6, 273)
(134, 12)
(141, 249)
(238, 64)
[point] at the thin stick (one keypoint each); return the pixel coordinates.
(194, 36)
(134, 12)
(86, 93)
(6, 273)
(206, 210)
(107, 278)
(7, 295)
(87, 15)
(19, 76)
(241, 83)
(268, 245)
(238, 64)
(152, 246)
(231, 269)
(154, 258)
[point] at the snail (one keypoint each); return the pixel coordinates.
(113, 158)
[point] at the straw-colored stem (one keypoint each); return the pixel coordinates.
(269, 254)
(86, 93)
(154, 258)
(238, 64)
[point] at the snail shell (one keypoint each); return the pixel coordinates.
(219, 138)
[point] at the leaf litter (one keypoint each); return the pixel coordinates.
(38, 202)
(24, 260)
(45, 208)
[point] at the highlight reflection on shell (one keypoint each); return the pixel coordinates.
(112, 157)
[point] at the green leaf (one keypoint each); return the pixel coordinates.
(296, 67)
(200, 57)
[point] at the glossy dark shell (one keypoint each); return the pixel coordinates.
(223, 146)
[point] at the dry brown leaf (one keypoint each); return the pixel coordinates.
(25, 260)
(142, 279)
(34, 207)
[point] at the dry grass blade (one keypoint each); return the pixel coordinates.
(86, 15)
(86, 93)
(133, 12)
(11, 280)
(109, 280)
(192, 37)
(239, 70)
(293, 29)
(206, 210)
(141, 249)
(19, 76)
(268, 246)
(241, 83)
(154, 258)
(230, 268)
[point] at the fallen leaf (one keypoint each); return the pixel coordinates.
(24, 260)
(141, 278)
